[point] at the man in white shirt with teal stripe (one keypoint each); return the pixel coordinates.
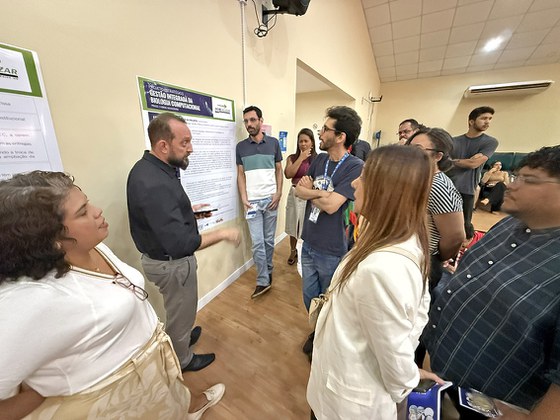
(259, 179)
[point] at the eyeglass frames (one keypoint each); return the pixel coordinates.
(425, 148)
(531, 180)
(127, 284)
(324, 129)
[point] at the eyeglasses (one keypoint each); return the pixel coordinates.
(425, 148)
(324, 128)
(127, 284)
(531, 180)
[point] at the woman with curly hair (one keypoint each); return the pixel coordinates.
(79, 339)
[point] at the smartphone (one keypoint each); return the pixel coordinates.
(205, 210)
(424, 386)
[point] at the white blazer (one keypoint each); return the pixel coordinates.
(363, 354)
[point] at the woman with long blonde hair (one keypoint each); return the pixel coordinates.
(363, 356)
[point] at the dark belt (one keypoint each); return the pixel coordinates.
(164, 257)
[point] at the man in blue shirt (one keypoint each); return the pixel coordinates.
(328, 191)
(496, 326)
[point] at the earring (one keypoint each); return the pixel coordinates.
(57, 245)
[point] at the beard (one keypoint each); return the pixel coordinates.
(325, 144)
(179, 163)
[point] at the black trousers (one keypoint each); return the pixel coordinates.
(468, 204)
(436, 271)
(495, 195)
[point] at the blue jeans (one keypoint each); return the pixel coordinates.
(317, 269)
(263, 228)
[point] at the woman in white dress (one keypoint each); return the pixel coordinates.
(79, 339)
(363, 355)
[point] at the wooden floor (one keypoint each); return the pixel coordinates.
(258, 347)
(484, 220)
(258, 344)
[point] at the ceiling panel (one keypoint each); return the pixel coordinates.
(428, 38)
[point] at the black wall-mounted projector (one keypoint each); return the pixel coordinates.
(291, 7)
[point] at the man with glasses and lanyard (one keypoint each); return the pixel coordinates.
(327, 190)
(496, 326)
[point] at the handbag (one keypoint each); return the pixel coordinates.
(315, 307)
(317, 303)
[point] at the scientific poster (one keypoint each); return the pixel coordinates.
(211, 177)
(27, 138)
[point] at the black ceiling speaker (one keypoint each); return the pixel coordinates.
(291, 7)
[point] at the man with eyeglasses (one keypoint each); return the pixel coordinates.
(496, 326)
(259, 180)
(407, 129)
(164, 229)
(328, 190)
(470, 152)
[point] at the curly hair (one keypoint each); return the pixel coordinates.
(347, 121)
(546, 158)
(31, 223)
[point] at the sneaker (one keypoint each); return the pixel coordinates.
(213, 395)
(260, 290)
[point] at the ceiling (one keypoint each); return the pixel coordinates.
(414, 39)
(308, 82)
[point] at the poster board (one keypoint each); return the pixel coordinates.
(211, 177)
(27, 137)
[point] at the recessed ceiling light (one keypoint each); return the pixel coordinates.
(493, 44)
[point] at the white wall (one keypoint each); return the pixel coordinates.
(91, 53)
(521, 123)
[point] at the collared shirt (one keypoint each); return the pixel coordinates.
(496, 326)
(259, 163)
(162, 222)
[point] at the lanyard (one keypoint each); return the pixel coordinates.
(337, 165)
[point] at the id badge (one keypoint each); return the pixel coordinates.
(251, 212)
(314, 215)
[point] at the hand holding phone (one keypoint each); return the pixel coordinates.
(424, 386)
(203, 209)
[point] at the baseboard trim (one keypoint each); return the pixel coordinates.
(207, 298)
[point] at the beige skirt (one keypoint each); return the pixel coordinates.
(148, 386)
(295, 214)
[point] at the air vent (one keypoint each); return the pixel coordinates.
(514, 88)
